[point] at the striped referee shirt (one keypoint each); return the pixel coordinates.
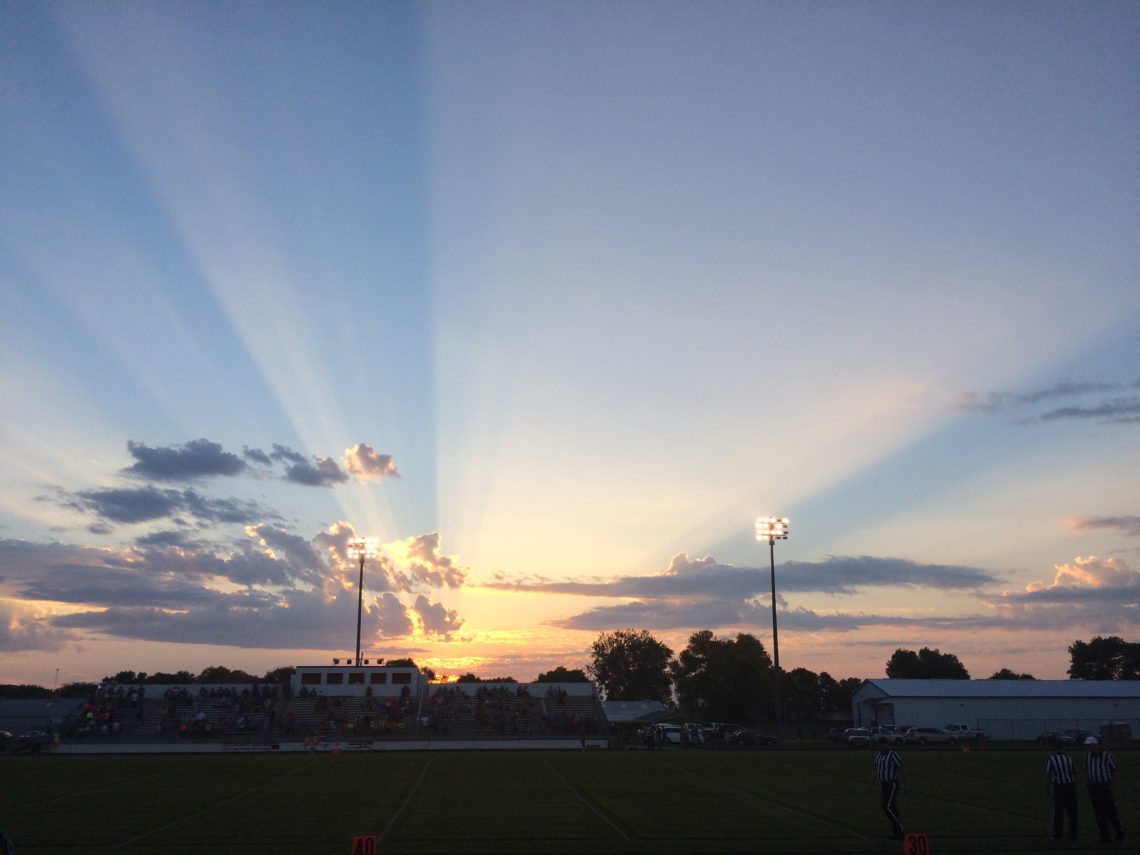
(1060, 769)
(888, 764)
(1100, 767)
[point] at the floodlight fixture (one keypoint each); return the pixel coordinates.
(361, 548)
(772, 529)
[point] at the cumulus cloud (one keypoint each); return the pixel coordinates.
(1126, 525)
(366, 464)
(257, 456)
(435, 619)
(1090, 593)
(1083, 579)
(321, 472)
(24, 628)
(275, 590)
(418, 561)
(391, 616)
(1114, 402)
(198, 458)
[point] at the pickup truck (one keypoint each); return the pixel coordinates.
(962, 733)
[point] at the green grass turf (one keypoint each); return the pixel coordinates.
(779, 801)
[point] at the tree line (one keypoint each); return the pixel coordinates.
(731, 679)
(726, 679)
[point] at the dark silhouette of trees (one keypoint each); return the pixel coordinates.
(1102, 658)
(723, 679)
(926, 664)
(631, 665)
(1007, 674)
(222, 674)
(561, 674)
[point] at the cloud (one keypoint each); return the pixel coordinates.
(130, 505)
(1126, 525)
(257, 456)
(323, 472)
(704, 577)
(199, 458)
(276, 590)
(1097, 595)
(1120, 409)
(418, 561)
(392, 619)
(435, 619)
(23, 628)
(368, 465)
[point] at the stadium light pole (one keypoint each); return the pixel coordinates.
(362, 548)
(772, 529)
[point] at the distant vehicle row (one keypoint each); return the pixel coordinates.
(898, 735)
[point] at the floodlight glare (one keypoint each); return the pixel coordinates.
(771, 528)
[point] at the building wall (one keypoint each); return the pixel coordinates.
(1001, 718)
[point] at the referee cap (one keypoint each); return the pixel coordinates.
(1091, 740)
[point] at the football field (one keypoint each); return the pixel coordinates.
(672, 800)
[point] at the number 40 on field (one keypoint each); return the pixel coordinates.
(365, 844)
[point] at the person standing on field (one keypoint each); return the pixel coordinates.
(1061, 786)
(1100, 774)
(887, 770)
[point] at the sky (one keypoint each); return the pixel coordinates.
(554, 300)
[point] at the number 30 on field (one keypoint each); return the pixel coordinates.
(916, 844)
(365, 844)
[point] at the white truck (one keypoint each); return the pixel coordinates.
(962, 733)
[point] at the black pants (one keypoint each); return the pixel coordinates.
(890, 807)
(1104, 809)
(1065, 802)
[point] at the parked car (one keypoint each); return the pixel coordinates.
(929, 736)
(1055, 737)
(964, 733)
(857, 736)
(891, 732)
(718, 731)
(744, 736)
(672, 733)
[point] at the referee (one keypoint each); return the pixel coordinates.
(1100, 771)
(887, 770)
(1061, 785)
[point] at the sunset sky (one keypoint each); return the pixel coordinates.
(554, 299)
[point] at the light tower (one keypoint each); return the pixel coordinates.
(362, 548)
(772, 529)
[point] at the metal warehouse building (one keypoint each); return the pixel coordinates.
(1004, 709)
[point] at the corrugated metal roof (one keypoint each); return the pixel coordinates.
(1008, 688)
(630, 711)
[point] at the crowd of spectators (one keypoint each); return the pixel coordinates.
(105, 710)
(355, 718)
(503, 710)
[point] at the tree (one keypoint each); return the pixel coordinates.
(802, 694)
(222, 674)
(835, 696)
(722, 678)
(631, 665)
(927, 664)
(1006, 674)
(562, 674)
(279, 676)
(1110, 658)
